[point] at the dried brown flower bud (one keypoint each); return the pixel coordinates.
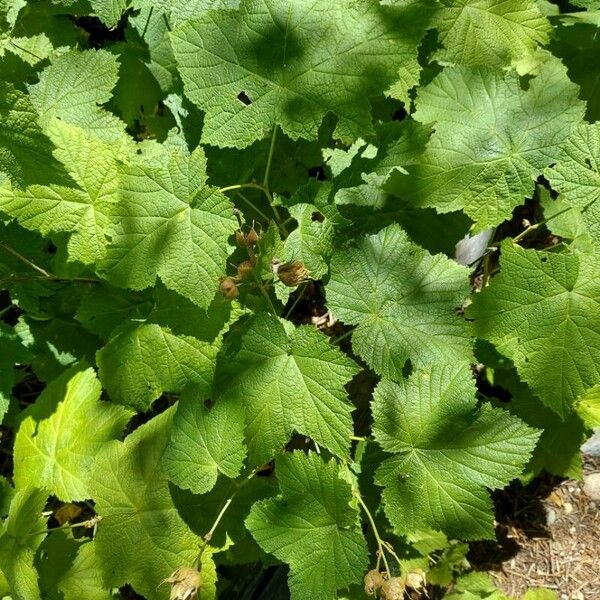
(185, 583)
(392, 589)
(240, 238)
(244, 269)
(291, 273)
(415, 579)
(251, 237)
(373, 581)
(228, 288)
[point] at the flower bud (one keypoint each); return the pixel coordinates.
(228, 288)
(373, 581)
(392, 589)
(185, 583)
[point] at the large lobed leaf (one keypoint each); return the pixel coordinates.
(543, 312)
(446, 452)
(169, 224)
(61, 433)
(288, 380)
(312, 526)
(402, 300)
(142, 538)
(295, 61)
(492, 139)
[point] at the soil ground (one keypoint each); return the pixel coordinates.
(548, 536)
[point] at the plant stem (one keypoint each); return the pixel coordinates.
(45, 275)
(266, 192)
(380, 543)
(298, 298)
(212, 530)
(531, 228)
(87, 524)
(342, 337)
(25, 260)
(250, 184)
(270, 158)
(253, 206)
(358, 438)
(226, 506)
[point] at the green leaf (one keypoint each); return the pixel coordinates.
(403, 302)
(20, 537)
(446, 452)
(55, 445)
(364, 169)
(71, 89)
(205, 441)
(141, 539)
(109, 11)
(170, 224)
(142, 361)
(588, 407)
(492, 139)
(70, 570)
(489, 33)
(12, 352)
(287, 382)
(82, 210)
(576, 175)
(543, 312)
(558, 450)
(183, 317)
(104, 308)
(313, 526)
(295, 61)
(25, 152)
(312, 241)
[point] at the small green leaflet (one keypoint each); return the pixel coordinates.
(142, 361)
(20, 536)
(61, 433)
(543, 312)
(205, 441)
(492, 139)
(446, 452)
(402, 300)
(169, 224)
(295, 61)
(139, 520)
(576, 175)
(489, 33)
(287, 380)
(313, 526)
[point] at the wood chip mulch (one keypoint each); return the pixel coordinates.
(551, 539)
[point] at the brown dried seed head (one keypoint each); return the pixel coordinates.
(228, 288)
(291, 273)
(240, 238)
(392, 589)
(251, 237)
(373, 581)
(185, 583)
(244, 269)
(415, 579)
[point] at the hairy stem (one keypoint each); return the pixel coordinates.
(380, 542)
(270, 158)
